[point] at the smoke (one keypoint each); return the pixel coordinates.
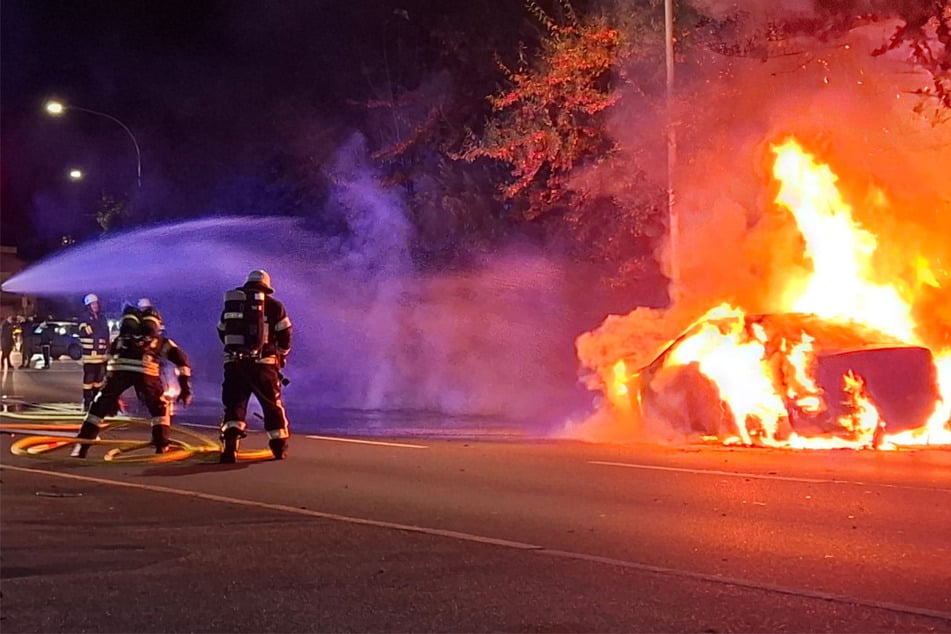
(370, 333)
(851, 109)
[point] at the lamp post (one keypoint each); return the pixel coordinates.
(76, 174)
(57, 108)
(673, 218)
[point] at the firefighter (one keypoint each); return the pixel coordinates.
(28, 341)
(134, 360)
(94, 337)
(45, 338)
(256, 333)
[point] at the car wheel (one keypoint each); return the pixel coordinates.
(75, 352)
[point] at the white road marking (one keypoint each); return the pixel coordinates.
(283, 507)
(762, 476)
(505, 543)
(368, 442)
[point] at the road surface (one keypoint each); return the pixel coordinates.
(434, 534)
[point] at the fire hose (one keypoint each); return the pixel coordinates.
(120, 451)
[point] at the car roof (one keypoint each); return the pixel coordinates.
(828, 333)
(829, 336)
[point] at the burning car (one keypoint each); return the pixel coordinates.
(780, 380)
(839, 359)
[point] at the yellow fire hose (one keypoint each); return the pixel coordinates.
(121, 451)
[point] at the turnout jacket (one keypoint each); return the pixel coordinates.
(94, 337)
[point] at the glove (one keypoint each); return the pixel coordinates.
(184, 390)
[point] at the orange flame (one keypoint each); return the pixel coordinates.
(840, 249)
(759, 380)
(863, 420)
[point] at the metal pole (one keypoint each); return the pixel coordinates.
(672, 217)
(138, 155)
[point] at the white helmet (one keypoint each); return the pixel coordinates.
(89, 299)
(261, 279)
(144, 302)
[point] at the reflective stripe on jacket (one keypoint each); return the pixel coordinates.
(94, 337)
(145, 356)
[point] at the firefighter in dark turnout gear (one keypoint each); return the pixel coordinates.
(134, 360)
(256, 333)
(94, 338)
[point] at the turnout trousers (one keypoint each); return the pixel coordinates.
(150, 391)
(94, 375)
(245, 377)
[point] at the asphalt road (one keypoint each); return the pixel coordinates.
(417, 534)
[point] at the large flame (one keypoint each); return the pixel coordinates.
(759, 378)
(840, 250)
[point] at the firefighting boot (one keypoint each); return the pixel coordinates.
(278, 447)
(231, 439)
(88, 431)
(160, 434)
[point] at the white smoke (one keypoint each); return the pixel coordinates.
(370, 332)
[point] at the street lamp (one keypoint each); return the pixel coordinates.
(76, 174)
(57, 108)
(673, 218)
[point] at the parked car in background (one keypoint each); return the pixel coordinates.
(63, 338)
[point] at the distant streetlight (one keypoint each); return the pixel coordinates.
(57, 108)
(76, 175)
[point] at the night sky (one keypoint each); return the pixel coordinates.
(218, 94)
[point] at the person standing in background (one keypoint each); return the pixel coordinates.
(94, 337)
(45, 339)
(28, 341)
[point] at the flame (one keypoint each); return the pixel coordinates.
(763, 379)
(735, 359)
(620, 379)
(841, 288)
(863, 420)
(840, 249)
(925, 275)
(802, 388)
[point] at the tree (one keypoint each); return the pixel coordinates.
(550, 117)
(925, 29)
(111, 212)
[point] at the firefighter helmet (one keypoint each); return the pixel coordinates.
(151, 325)
(259, 278)
(89, 299)
(144, 302)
